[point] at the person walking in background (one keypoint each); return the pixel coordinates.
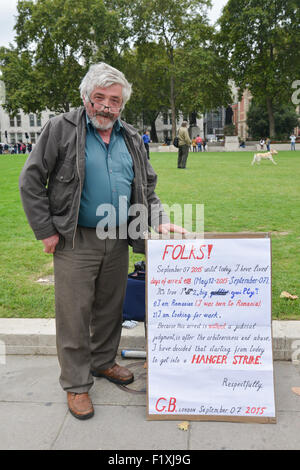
(268, 143)
(262, 143)
(184, 143)
(199, 143)
(146, 140)
(293, 142)
(194, 145)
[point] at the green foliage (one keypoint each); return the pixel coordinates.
(202, 73)
(262, 41)
(56, 42)
(286, 120)
(146, 67)
(166, 49)
(188, 67)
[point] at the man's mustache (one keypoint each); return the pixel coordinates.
(101, 113)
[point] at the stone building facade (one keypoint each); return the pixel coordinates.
(22, 127)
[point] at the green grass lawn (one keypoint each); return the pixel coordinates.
(237, 197)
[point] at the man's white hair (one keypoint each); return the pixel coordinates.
(103, 75)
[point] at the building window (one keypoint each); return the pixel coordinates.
(165, 118)
(19, 137)
(170, 118)
(12, 138)
(11, 121)
(19, 122)
(32, 137)
(38, 120)
(31, 120)
(215, 121)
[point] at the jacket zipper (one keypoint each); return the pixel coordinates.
(77, 165)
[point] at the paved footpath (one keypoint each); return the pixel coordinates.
(34, 413)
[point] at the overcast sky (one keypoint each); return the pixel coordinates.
(8, 12)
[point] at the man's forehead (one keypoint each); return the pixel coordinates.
(112, 90)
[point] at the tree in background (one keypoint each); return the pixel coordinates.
(203, 75)
(166, 49)
(56, 41)
(192, 73)
(262, 41)
(286, 119)
(146, 68)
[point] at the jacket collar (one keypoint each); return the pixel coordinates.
(75, 115)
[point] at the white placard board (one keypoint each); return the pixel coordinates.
(209, 333)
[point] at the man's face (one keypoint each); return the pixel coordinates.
(105, 109)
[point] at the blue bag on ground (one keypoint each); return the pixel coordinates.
(134, 307)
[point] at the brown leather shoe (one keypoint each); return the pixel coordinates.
(116, 374)
(80, 405)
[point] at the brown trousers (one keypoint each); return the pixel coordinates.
(183, 152)
(90, 286)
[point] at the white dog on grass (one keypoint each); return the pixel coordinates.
(266, 155)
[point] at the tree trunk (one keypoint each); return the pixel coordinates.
(153, 133)
(172, 93)
(271, 118)
(173, 109)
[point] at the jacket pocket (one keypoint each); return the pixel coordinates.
(63, 189)
(66, 173)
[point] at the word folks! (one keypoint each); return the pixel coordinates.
(185, 252)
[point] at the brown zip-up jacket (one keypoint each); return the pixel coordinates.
(52, 179)
(183, 136)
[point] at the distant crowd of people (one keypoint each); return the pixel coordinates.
(199, 144)
(262, 143)
(19, 147)
(267, 142)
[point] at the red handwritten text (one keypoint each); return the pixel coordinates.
(184, 252)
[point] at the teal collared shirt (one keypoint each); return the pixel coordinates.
(108, 177)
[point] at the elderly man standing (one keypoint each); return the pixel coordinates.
(86, 162)
(184, 143)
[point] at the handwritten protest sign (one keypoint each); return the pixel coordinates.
(209, 341)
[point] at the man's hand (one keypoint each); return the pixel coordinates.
(167, 228)
(50, 243)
